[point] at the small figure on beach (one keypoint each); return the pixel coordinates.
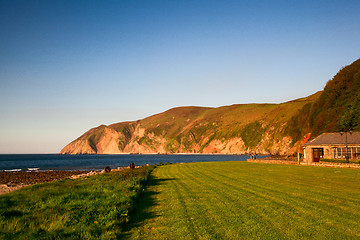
(132, 165)
(107, 169)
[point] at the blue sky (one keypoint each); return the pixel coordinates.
(67, 66)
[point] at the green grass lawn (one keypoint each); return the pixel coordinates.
(240, 200)
(94, 207)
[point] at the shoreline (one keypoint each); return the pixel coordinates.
(11, 181)
(86, 162)
(150, 154)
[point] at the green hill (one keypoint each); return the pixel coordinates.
(337, 109)
(240, 128)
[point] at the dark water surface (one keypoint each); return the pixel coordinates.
(26, 162)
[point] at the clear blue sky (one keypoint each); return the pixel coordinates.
(67, 66)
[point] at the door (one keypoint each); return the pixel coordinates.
(318, 153)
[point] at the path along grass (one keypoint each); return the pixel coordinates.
(239, 200)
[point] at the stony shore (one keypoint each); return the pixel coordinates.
(10, 181)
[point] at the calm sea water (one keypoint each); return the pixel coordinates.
(26, 162)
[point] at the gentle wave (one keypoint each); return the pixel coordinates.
(33, 169)
(13, 170)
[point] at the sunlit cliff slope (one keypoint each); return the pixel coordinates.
(235, 129)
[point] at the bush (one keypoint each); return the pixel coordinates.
(252, 134)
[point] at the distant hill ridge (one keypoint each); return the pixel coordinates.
(235, 129)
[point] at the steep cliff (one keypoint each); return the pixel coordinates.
(229, 130)
(235, 129)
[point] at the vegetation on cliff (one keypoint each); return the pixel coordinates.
(239, 128)
(337, 108)
(231, 129)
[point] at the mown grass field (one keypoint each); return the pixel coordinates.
(240, 200)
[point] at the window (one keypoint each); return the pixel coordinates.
(340, 153)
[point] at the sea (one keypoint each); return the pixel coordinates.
(46, 162)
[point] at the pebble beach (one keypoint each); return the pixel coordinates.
(10, 181)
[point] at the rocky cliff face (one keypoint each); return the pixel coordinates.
(236, 129)
(111, 142)
(78, 147)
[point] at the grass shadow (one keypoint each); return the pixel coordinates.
(141, 211)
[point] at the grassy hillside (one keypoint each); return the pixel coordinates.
(239, 128)
(197, 129)
(337, 108)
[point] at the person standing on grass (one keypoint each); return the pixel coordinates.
(132, 165)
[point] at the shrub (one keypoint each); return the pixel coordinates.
(252, 134)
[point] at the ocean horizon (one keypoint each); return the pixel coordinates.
(48, 162)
